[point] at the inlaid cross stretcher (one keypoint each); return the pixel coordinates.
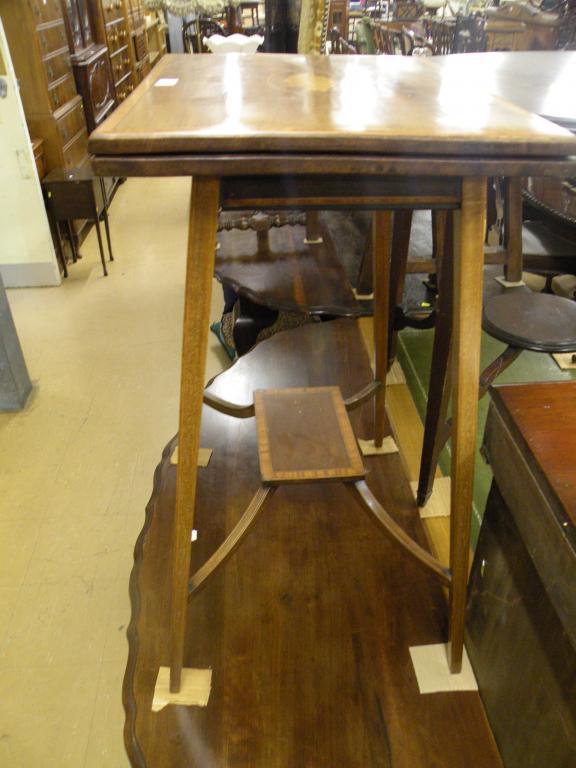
(378, 133)
(305, 436)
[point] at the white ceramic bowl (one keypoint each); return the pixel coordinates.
(234, 43)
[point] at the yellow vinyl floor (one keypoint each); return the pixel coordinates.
(76, 473)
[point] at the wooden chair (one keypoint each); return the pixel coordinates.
(408, 9)
(388, 40)
(279, 262)
(441, 35)
(253, 9)
(469, 34)
(518, 318)
(194, 32)
(338, 45)
(338, 17)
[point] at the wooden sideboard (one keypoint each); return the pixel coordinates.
(114, 31)
(90, 62)
(521, 619)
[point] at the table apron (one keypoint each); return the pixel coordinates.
(367, 192)
(329, 165)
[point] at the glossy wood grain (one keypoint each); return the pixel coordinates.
(265, 367)
(287, 103)
(286, 273)
(321, 164)
(204, 200)
(545, 416)
(307, 628)
(538, 81)
(529, 452)
(467, 307)
(304, 435)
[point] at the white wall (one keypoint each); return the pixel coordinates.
(27, 256)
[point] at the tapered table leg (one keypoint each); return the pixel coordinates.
(439, 389)
(204, 204)
(382, 249)
(468, 270)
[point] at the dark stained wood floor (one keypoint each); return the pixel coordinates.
(308, 627)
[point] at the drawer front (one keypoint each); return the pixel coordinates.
(52, 38)
(62, 92)
(72, 123)
(116, 36)
(124, 89)
(46, 10)
(120, 66)
(112, 9)
(76, 152)
(142, 69)
(58, 66)
(140, 47)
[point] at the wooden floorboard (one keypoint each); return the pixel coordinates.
(307, 628)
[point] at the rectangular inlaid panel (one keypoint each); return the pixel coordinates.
(304, 434)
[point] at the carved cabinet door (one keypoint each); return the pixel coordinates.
(99, 86)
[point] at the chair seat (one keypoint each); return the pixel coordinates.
(537, 321)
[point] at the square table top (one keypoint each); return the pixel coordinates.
(279, 103)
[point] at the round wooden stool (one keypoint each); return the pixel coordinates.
(522, 320)
(542, 322)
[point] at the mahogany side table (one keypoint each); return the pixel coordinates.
(280, 131)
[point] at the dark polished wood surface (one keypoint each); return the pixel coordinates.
(287, 273)
(521, 616)
(307, 628)
(287, 103)
(543, 82)
(530, 443)
(544, 415)
(304, 435)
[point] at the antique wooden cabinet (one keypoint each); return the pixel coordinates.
(112, 28)
(90, 62)
(38, 40)
(156, 36)
(94, 81)
(139, 38)
(522, 605)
